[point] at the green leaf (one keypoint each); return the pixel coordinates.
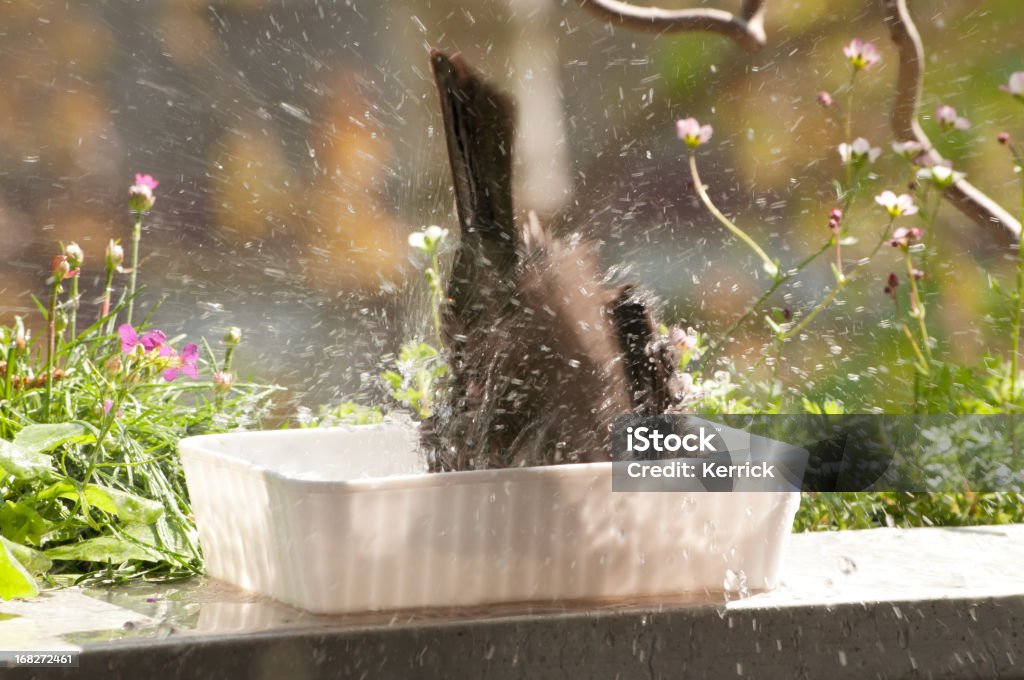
(161, 536)
(129, 507)
(23, 464)
(33, 560)
(103, 549)
(15, 580)
(21, 523)
(43, 438)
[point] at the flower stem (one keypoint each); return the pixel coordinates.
(920, 358)
(1018, 298)
(73, 309)
(136, 237)
(840, 284)
(51, 342)
(818, 309)
(917, 309)
(839, 255)
(752, 309)
(848, 132)
(107, 289)
(769, 265)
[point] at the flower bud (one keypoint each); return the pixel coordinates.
(835, 218)
(60, 322)
(113, 365)
(74, 254)
(140, 194)
(20, 341)
(61, 268)
(233, 336)
(825, 99)
(114, 255)
(1003, 138)
(222, 382)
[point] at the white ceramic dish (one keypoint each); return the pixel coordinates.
(342, 520)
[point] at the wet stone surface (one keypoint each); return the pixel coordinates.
(883, 603)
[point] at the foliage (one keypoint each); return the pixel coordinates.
(417, 373)
(344, 413)
(91, 484)
(937, 385)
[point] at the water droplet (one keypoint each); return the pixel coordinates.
(735, 582)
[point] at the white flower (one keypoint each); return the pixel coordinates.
(896, 205)
(429, 239)
(859, 151)
(940, 175)
(909, 150)
(1015, 86)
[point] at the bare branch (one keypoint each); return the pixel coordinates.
(746, 30)
(967, 198)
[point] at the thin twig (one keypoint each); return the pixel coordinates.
(745, 29)
(967, 198)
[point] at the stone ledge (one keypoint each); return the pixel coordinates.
(888, 603)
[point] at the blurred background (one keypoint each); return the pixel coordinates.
(297, 144)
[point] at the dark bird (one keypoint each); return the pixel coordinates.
(542, 353)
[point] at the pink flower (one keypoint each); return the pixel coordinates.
(173, 363)
(896, 205)
(825, 99)
(692, 132)
(1003, 138)
(146, 181)
(1015, 85)
(140, 194)
(109, 404)
(948, 120)
(861, 54)
(130, 339)
(903, 237)
(183, 363)
(686, 340)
